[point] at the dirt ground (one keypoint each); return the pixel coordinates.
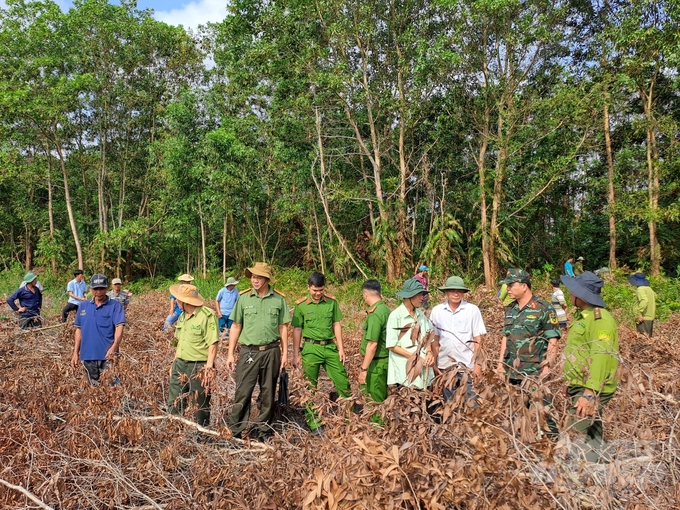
(66, 445)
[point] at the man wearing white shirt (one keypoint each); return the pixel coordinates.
(458, 327)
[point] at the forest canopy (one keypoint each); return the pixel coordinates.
(352, 137)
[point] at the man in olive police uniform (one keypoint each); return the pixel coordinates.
(316, 322)
(260, 325)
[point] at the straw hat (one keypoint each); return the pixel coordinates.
(185, 278)
(261, 269)
(187, 294)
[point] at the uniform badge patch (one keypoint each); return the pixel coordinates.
(82, 313)
(553, 318)
(604, 335)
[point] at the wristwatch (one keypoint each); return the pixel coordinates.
(589, 397)
(363, 369)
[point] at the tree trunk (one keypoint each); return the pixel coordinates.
(69, 206)
(611, 198)
(224, 249)
(481, 168)
(653, 176)
(204, 258)
(50, 207)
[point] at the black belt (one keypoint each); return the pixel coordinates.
(266, 347)
(320, 342)
(190, 361)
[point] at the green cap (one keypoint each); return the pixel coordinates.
(30, 277)
(231, 281)
(411, 288)
(516, 275)
(454, 283)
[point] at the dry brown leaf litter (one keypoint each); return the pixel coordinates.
(73, 446)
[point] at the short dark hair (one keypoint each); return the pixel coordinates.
(372, 286)
(555, 283)
(77, 272)
(316, 279)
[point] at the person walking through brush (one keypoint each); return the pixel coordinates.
(30, 302)
(578, 266)
(175, 310)
(76, 289)
(260, 327)
(591, 360)
(374, 362)
(422, 277)
(99, 331)
(645, 304)
(225, 301)
(407, 329)
(459, 328)
(193, 368)
(559, 304)
(568, 268)
(317, 342)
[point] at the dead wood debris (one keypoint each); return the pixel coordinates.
(71, 446)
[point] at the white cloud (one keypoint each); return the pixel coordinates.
(194, 13)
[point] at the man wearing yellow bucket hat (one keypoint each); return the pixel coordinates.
(197, 341)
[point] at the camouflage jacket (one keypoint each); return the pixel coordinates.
(528, 331)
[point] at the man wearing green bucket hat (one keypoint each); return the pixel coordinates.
(30, 302)
(406, 319)
(458, 327)
(225, 301)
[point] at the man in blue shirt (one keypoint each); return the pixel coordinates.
(99, 330)
(568, 268)
(30, 302)
(76, 289)
(225, 301)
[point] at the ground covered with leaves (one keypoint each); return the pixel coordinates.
(64, 444)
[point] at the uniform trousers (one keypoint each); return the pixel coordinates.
(255, 367)
(179, 387)
(591, 426)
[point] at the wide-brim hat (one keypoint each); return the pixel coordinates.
(411, 288)
(639, 280)
(30, 277)
(261, 269)
(580, 258)
(186, 277)
(116, 281)
(231, 281)
(586, 286)
(187, 293)
(454, 283)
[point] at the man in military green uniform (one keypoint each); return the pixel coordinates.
(578, 266)
(591, 360)
(645, 304)
(260, 325)
(194, 366)
(316, 322)
(373, 371)
(530, 335)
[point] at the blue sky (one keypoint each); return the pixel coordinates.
(189, 13)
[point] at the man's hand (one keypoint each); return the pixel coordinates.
(171, 367)
(74, 360)
(341, 353)
(231, 362)
(584, 407)
(476, 372)
(111, 353)
(640, 319)
(207, 376)
(284, 360)
(500, 370)
(362, 377)
(296, 361)
(429, 359)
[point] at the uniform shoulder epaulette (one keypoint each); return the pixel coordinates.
(597, 313)
(371, 310)
(244, 291)
(331, 296)
(301, 300)
(279, 293)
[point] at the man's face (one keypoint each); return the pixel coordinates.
(79, 277)
(454, 297)
(230, 287)
(316, 293)
(258, 281)
(116, 287)
(99, 292)
(516, 290)
(417, 300)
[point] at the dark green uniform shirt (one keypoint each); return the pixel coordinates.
(592, 350)
(317, 319)
(260, 317)
(528, 331)
(375, 329)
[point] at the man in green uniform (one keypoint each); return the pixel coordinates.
(591, 360)
(530, 335)
(260, 325)
(373, 371)
(578, 266)
(194, 366)
(645, 306)
(316, 322)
